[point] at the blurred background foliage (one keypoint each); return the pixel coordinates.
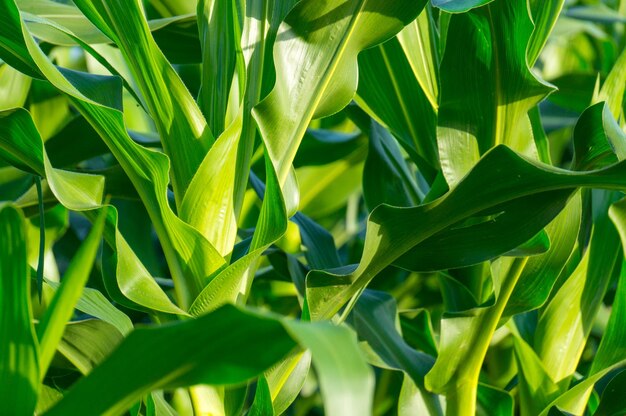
(346, 165)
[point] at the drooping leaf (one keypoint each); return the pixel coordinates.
(86, 343)
(389, 236)
(191, 258)
(216, 363)
(20, 141)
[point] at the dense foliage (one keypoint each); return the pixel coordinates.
(342, 207)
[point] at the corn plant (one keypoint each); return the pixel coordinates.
(301, 207)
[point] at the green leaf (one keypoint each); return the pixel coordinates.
(386, 176)
(598, 142)
(346, 381)
(389, 91)
(493, 401)
(233, 282)
(61, 307)
(22, 145)
(85, 344)
(374, 318)
(458, 6)
(286, 379)
(465, 338)
(536, 388)
(411, 400)
(479, 239)
(419, 42)
(191, 258)
(545, 14)
(184, 132)
(14, 87)
(565, 322)
(612, 90)
(487, 103)
(542, 271)
(93, 302)
(262, 404)
(394, 231)
(210, 194)
(611, 403)
(220, 28)
(216, 363)
(316, 51)
(19, 366)
(613, 345)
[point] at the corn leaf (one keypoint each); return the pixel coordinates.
(20, 140)
(19, 366)
(184, 132)
(487, 103)
(186, 250)
(457, 6)
(60, 309)
(389, 237)
(327, 37)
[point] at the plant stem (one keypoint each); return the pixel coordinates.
(461, 399)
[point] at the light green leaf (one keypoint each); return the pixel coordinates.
(191, 258)
(316, 51)
(612, 90)
(14, 87)
(19, 366)
(61, 307)
(184, 132)
(233, 283)
(419, 42)
(565, 322)
(93, 302)
(545, 14)
(536, 387)
(286, 379)
(85, 344)
(346, 381)
(465, 338)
